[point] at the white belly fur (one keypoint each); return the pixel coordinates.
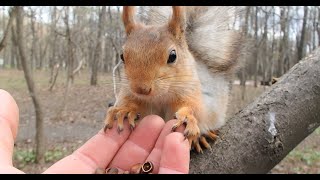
(215, 92)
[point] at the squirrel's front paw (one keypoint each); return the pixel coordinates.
(192, 131)
(119, 114)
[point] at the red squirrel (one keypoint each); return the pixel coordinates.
(178, 65)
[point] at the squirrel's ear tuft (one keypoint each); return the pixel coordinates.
(128, 18)
(177, 24)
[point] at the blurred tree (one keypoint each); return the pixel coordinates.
(31, 86)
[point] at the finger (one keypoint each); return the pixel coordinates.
(97, 152)
(140, 143)
(9, 170)
(156, 152)
(175, 156)
(9, 120)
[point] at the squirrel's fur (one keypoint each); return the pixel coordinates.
(208, 33)
(194, 88)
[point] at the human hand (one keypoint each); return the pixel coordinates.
(151, 140)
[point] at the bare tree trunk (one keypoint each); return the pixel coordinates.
(42, 45)
(272, 58)
(288, 58)
(114, 40)
(42, 55)
(97, 54)
(13, 48)
(34, 47)
(262, 134)
(55, 72)
(256, 67)
(3, 42)
(15, 56)
(243, 72)
(314, 30)
(318, 26)
(282, 47)
(32, 90)
(52, 59)
(70, 61)
(265, 47)
(302, 44)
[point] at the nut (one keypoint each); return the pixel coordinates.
(112, 170)
(147, 168)
(136, 169)
(100, 171)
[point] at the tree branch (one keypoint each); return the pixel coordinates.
(78, 68)
(262, 134)
(12, 14)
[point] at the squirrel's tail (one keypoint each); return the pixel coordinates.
(209, 33)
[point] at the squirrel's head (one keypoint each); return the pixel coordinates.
(155, 57)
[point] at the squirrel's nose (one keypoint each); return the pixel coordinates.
(143, 90)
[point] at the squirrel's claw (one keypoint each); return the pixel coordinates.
(213, 135)
(110, 118)
(120, 114)
(107, 126)
(132, 117)
(197, 146)
(192, 131)
(204, 142)
(200, 142)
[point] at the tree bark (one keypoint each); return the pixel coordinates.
(262, 134)
(31, 87)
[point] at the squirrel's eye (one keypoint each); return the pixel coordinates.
(172, 57)
(121, 56)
